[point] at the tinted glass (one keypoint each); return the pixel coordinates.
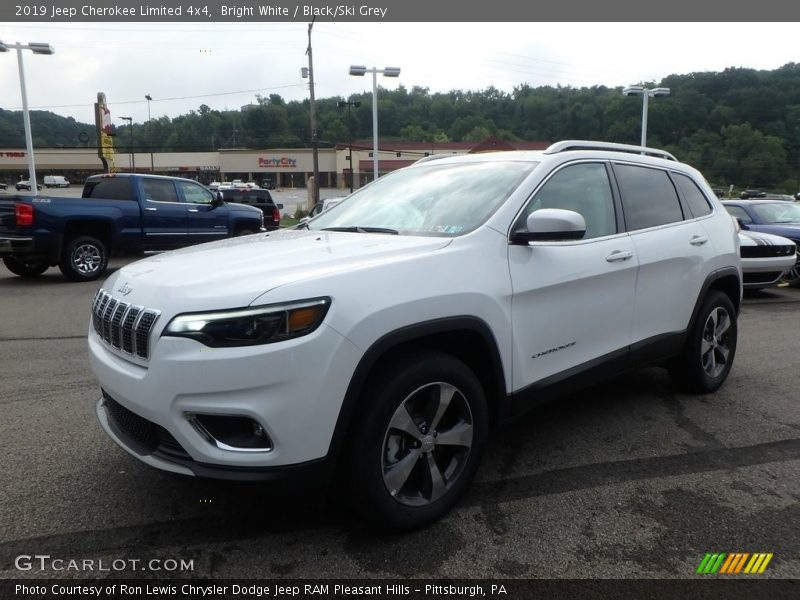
(648, 197)
(246, 195)
(159, 190)
(697, 202)
(196, 194)
(584, 189)
(738, 212)
(109, 188)
(777, 212)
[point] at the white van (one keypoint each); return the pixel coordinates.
(55, 181)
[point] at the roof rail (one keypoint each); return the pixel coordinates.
(613, 147)
(431, 157)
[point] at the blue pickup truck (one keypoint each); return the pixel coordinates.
(117, 212)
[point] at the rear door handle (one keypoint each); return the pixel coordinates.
(618, 255)
(698, 240)
(151, 209)
(193, 210)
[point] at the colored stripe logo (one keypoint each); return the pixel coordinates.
(733, 563)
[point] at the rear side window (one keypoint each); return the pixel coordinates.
(648, 197)
(159, 190)
(109, 188)
(698, 204)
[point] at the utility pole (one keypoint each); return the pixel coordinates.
(313, 105)
(349, 105)
(148, 97)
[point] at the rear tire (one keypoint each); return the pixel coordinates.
(709, 352)
(85, 258)
(25, 268)
(241, 232)
(419, 440)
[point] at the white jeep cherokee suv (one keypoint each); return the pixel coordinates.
(385, 337)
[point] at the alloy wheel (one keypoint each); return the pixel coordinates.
(86, 258)
(715, 347)
(426, 444)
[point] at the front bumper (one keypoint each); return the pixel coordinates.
(293, 389)
(764, 272)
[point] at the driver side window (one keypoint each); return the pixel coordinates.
(583, 188)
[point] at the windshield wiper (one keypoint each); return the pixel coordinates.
(357, 229)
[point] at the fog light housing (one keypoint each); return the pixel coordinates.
(235, 433)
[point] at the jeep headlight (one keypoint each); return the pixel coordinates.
(252, 325)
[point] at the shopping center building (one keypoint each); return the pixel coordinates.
(281, 167)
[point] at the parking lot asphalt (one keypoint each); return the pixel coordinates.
(630, 479)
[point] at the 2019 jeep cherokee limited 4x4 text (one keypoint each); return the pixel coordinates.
(383, 338)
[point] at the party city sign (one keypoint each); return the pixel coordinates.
(281, 163)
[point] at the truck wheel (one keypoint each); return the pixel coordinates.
(25, 268)
(84, 259)
(419, 441)
(240, 232)
(708, 355)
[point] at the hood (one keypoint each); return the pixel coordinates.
(234, 272)
(753, 238)
(782, 229)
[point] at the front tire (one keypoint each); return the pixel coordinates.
(85, 258)
(419, 441)
(709, 352)
(25, 268)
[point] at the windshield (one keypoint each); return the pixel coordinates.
(777, 212)
(439, 200)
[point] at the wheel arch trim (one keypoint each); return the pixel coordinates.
(405, 335)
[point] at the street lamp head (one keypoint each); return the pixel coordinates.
(41, 48)
(129, 119)
(659, 92)
(342, 103)
(391, 72)
(632, 90)
(358, 70)
(357, 104)
(148, 97)
(3, 47)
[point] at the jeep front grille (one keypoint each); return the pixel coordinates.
(123, 326)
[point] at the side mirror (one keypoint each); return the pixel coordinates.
(279, 205)
(549, 225)
(742, 224)
(304, 220)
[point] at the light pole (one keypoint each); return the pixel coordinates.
(309, 73)
(148, 97)
(635, 90)
(36, 48)
(349, 105)
(130, 126)
(360, 71)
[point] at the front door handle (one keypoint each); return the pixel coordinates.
(698, 240)
(618, 255)
(193, 210)
(151, 209)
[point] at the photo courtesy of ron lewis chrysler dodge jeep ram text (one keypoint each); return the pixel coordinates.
(380, 341)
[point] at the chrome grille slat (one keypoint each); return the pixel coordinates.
(123, 326)
(127, 328)
(112, 304)
(116, 321)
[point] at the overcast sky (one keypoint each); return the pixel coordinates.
(224, 65)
